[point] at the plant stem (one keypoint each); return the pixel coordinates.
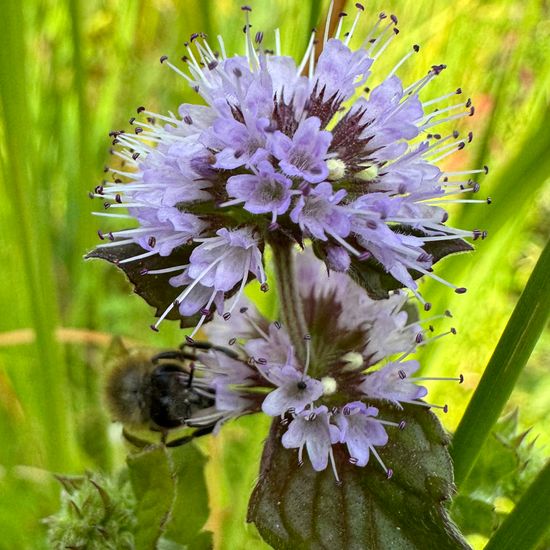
(290, 303)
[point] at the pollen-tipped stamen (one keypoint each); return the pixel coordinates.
(307, 340)
(388, 471)
(407, 56)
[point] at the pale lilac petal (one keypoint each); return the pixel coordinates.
(295, 393)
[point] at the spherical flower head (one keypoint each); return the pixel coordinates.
(286, 150)
(326, 387)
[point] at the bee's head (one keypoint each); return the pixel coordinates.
(127, 389)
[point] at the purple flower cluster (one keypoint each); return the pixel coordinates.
(325, 394)
(286, 150)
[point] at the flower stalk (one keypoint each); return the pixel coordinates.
(291, 309)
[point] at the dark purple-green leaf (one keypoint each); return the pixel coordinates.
(154, 289)
(371, 275)
(297, 508)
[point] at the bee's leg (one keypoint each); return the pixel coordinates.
(135, 441)
(207, 346)
(175, 354)
(195, 344)
(163, 433)
(188, 438)
(191, 374)
(180, 441)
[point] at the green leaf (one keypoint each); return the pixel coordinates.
(474, 515)
(505, 465)
(171, 495)
(510, 356)
(295, 507)
(505, 468)
(151, 478)
(372, 276)
(190, 509)
(528, 522)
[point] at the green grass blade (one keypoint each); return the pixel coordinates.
(528, 521)
(510, 356)
(49, 384)
(78, 212)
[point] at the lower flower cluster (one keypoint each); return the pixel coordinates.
(324, 387)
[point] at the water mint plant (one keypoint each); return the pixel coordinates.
(319, 154)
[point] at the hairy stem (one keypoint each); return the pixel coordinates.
(290, 303)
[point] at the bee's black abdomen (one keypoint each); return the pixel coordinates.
(173, 398)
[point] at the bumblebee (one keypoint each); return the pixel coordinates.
(158, 392)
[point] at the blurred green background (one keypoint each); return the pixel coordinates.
(72, 70)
